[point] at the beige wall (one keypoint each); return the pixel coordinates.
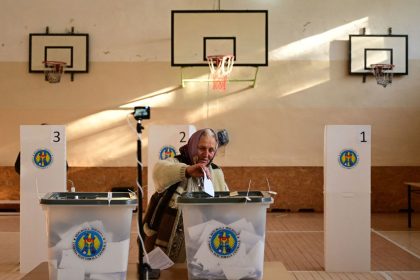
(278, 123)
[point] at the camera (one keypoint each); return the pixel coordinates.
(141, 113)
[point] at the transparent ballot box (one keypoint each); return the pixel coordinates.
(224, 234)
(88, 234)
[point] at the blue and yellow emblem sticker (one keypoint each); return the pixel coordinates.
(89, 243)
(42, 158)
(224, 242)
(348, 158)
(167, 152)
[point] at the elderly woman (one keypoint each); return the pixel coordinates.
(174, 176)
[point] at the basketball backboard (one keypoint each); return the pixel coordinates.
(378, 49)
(73, 49)
(197, 34)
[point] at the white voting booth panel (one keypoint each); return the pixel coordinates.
(42, 170)
(347, 187)
(164, 142)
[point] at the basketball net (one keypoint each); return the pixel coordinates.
(53, 71)
(220, 68)
(383, 73)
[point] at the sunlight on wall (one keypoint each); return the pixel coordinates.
(310, 75)
(196, 115)
(197, 81)
(107, 137)
(161, 98)
(305, 75)
(306, 62)
(314, 48)
(96, 122)
(317, 47)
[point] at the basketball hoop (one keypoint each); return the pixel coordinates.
(220, 68)
(383, 73)
(53, 70)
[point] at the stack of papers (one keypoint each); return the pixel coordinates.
(246, 260)
(66, 264)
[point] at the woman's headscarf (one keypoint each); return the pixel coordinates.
(190, 150)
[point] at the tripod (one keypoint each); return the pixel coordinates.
(143, 269)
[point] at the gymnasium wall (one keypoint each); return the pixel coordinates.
(277, 126)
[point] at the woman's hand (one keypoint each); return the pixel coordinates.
(197, 170)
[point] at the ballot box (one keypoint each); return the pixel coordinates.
(225, 234)
(88, 234)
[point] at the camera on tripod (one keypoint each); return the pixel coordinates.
(141, 113)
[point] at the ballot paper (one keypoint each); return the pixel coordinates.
(208, 185)
(256, 254)
(70, 233)
(66, 242)
(66, 238)
(209, 261)
(245, 262)
(158, 259)
(201, 231)
(210, 226)
(113, 259)
(195, 231)
(250, 239)
(239, 258)
(241, 225)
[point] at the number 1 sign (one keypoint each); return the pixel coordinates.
(347, 164)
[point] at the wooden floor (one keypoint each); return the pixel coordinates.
(295, 239)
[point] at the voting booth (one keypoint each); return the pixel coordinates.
(88, 234)
(224, 234)
(347, 187)
(42, 170)
(164, 142)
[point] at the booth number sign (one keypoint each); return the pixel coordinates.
(56, 136)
